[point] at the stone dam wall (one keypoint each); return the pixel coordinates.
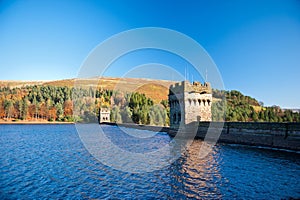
(275, 135)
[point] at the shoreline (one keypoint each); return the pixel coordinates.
(271, 134)
(33, 122)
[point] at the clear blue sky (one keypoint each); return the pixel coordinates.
(255, 44)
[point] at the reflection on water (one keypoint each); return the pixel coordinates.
(50, 161)
(199, 178)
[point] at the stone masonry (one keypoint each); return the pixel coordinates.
(104, 115)
(189, 103)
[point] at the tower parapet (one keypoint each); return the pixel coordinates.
(189, 102)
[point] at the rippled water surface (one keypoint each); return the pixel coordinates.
(50, 161)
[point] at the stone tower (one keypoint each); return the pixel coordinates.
(189, 103)
(104, 115)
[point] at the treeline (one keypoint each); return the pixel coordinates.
(53, 103)
(239, 107)
(36, 103)
(137, 108)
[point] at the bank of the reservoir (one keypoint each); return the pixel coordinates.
(276, 135)
(33, 122)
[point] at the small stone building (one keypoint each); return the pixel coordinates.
(104, 115)
(189, 103)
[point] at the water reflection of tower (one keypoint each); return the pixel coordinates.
(195, 177)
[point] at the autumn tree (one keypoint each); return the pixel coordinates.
(68, 108)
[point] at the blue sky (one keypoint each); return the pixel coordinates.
(255, 44)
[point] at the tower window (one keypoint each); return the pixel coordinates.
(199, 102)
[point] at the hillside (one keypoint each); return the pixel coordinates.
(52, 100)
(157, 90)
(241, 108)
(13, 84)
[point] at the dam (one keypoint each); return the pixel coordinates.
(274, 135)
(190, 105)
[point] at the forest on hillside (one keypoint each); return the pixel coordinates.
(241, 108)
(69, 104)
(55, 103)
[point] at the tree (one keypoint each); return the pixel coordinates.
(217, 110)
(126, 115)
(59, 111)
(254, 116)
(52, 114)
(139, 105)
(288, 116)
(18, 109)
(165, 103)
(8, 107)
(24, 108)
(157, 115)
(35, 107)
(261, 103)
(2, 110)
(43, 113)
(115, 115)
(68, 108)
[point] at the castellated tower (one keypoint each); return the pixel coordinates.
(189, 103)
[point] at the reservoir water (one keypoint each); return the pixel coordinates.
(50, 162)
